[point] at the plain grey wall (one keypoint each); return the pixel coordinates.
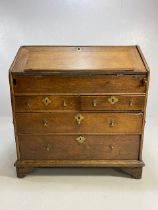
(78, 22)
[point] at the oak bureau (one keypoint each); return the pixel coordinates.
(79, 106)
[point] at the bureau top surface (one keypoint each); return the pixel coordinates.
(58, 59)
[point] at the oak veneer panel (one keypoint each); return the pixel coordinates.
(95, 147)
(66, 123)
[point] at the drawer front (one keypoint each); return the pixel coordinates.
(91, 147)
(50, 103)
(79, 84)
(79, 122)
(46, 103)
(123, 102)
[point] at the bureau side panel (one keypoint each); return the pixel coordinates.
(13, 113)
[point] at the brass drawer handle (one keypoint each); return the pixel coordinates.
(111, 147)
(28, 105)
(144, 82)
(111, 123)
(64, 103)
(94, 102)
(131, 102)
(47, 147)
(45, 123)
(81, 140)
(113, 100)
(79, 118)
(46, 101)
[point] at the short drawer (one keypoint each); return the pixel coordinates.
(79, 84)
(114, 102)
(46, 103)
(78, 147)
(59, 122)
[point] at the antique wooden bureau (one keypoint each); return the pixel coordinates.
(79, 107)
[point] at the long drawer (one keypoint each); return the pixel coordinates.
(79, 147)
(62, 122)
(79, 84)
(49, 103)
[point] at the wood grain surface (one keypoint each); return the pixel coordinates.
(66, 147)
(83, 58)
(91, 123)
(79, 84)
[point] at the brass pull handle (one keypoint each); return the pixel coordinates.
(111, 123)
(144, 82)
(131, 102)
(45, 123)
(111, 147)
(113, 100)
(64, 103)
(94, 102)
(28, 105)
(47, 147)
(81, 140)
(46, 101)
(79, 118)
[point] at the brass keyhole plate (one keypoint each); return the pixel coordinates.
(79, 118)
(46, 101)
(81, 140)
(113, 100)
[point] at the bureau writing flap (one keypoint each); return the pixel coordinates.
(97, 59)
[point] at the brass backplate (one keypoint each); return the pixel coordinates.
(113, 100)
(46, 101)
(79, 118)
(81, 140)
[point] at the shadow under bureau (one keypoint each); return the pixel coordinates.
(79, 107)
